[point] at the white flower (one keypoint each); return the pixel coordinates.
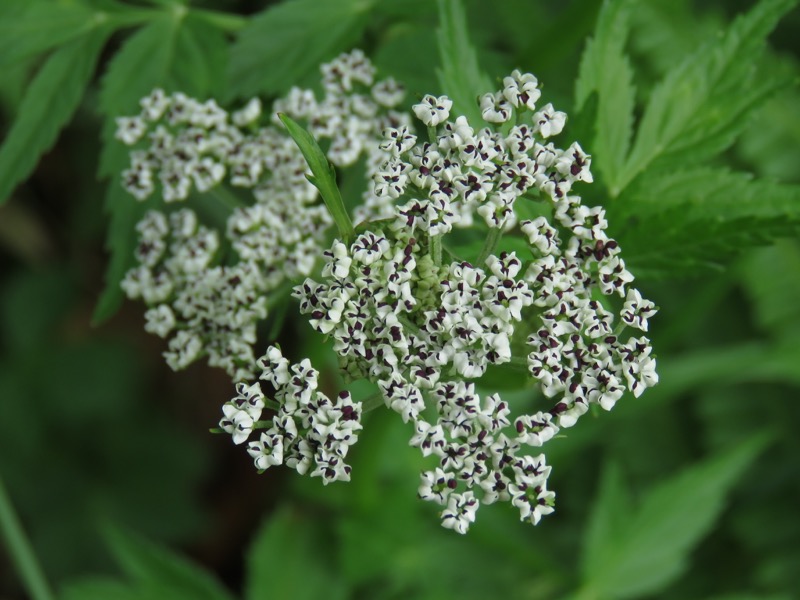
(521, 89)
(160, 320)
(432, 110)
(548, 121)
(241, 413)
(436, 485)
(248, 114)
(267, 451)
(130, 129)
(460, 512)
(636, 310)
(154, 105)
(495, 108)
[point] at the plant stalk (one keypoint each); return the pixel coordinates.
(21, 551)
(491, 243)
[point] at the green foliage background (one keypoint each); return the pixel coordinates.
(690, 491)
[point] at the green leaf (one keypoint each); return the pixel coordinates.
(641, 552)
(289, 40)
(752, 596)
(323, 177)
(461, 77)
(711, 193)
(700, 217)
(700, 107)
(612, 510)
(97, 588)
(201, 54)
(49, 104)
(124, 212)
(28, 29)
(143, 63)
(772, 280)
(152, 567)
(286, 560)
(606, 70)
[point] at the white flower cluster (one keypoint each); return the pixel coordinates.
(461, 170)
(207, 310)
(213, 310)
(193, 143)
(310, 433)
(422, 330)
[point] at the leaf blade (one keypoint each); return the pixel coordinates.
(700, 87)
(151, 566)
(64, 76)
(28, 29)
(142, 63)
(650, 548)
(323, 177)
(278, 561)
(460, 76)
(684, 219)
(606, 69)
(287, 41)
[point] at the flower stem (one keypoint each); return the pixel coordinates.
(436, 249)
(21, 551)
(433, 136)
(372, 402)
(491, 243)
(228, 199)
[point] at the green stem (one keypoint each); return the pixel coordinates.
(436, 249)
(21, 551)
(372, 402)
(227, 197)
(433, 136)
(518, 361)
(491, 243)
(409, 325)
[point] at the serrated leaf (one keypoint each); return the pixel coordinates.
(660, 34)
(700, 217)
(699, 108)
(201, 50)
(612, 510)
(323, 176)
(286, 561)
(48, 105)
(771, 278)
(643, 553)
(28, 29)
(143, 63)
(711, 193)
(606, 70)
(460, 77)
(287, 41)
(124, 212)
(690, 249)
(152, 567)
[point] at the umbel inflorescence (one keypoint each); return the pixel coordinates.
(184, 146)
(405, 312)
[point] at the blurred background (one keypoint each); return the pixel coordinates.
(99, 437)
